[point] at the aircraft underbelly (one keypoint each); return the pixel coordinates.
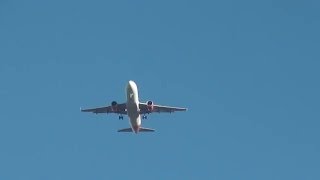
(133, 113)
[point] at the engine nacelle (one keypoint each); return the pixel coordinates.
(114, 106)
(150, 105)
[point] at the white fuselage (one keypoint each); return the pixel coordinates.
(133, 106)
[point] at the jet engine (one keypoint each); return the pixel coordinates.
(114, 106)
(150, 106)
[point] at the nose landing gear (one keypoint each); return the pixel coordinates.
(121, 117)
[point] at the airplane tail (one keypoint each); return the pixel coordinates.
(125, 130)
(141, 129)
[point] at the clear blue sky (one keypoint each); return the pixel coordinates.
(247, 70)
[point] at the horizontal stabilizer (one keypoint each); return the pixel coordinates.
(146, 130)
(125, 130)
(141, 129)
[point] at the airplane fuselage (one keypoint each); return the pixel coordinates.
(133, 106)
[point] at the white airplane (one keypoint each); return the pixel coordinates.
(134, 109)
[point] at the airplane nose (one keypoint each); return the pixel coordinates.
(131, 84)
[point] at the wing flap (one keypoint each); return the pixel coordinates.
(158, 108)
(121, 109)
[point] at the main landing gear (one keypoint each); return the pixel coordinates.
(143, 117)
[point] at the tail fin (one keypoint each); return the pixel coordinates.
(141, 129)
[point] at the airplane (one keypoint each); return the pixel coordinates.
(134, 109)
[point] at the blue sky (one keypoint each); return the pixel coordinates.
(248, 72)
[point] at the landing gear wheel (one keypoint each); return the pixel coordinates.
(121, 117)
(144, 117)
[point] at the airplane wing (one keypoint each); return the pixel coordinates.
(144, 109)
(119, 109)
